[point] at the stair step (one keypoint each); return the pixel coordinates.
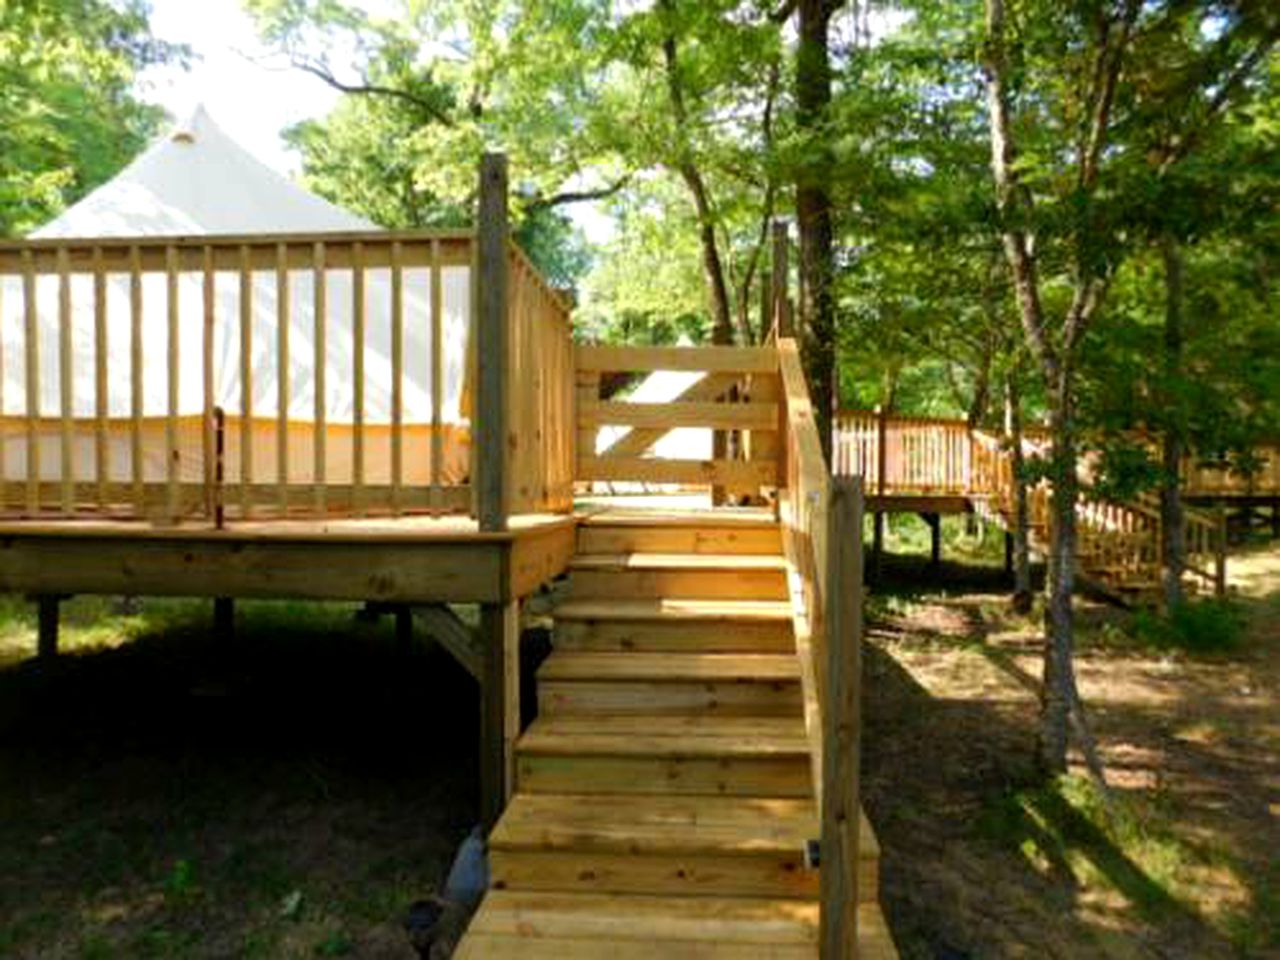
(666, 683)
(680, 576)
(618, 535)
(706, 846)
(659, 625)
(741, 756)
(568, 926)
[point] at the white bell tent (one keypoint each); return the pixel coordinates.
(195, 183)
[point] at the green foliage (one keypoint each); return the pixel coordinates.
(69, 116)
(1201, 627)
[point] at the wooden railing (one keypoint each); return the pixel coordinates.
(717, 389)
(822, 534)
(903, 454)
(282, 376)
(1119, 543)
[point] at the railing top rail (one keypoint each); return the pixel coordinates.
(372, 235)
(711, 359)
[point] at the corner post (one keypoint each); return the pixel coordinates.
(493, 339)
(842, 723)
(499, 706)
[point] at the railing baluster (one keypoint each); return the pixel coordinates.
(320, 309)
(66, 386)
(172, 509)
(206, 421)
(437, 374)
(136, 374)
(246, 381)
(32, 335)
(397, 374)
(100, 394)
(282, 378)
(357, 359)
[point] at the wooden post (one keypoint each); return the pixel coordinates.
(934, 520)
(1275, 519)
(47, 626)
(499, 706)
(882, 476)
(66, 382)
(1220, 559)
(493, 338)
(1008, 554)
(781, 299)
(224, 618)
(841, 721)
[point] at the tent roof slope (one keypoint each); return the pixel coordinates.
(197, 181)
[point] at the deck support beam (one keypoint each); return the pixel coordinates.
(499, 706)
(47, 626)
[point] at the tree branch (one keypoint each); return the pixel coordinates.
(566, 197)
(319, 70)
(1110, 61)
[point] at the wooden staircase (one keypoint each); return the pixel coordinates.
(664, 793)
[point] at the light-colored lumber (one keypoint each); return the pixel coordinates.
(246, 378)
(358, 307)
(136, 373)
(708, 539)
(437, 369)
(397, 374)
(670, 416)
(320, 362)
(636, 442)
(208, 441)
(717, 359)
(643, 470)
(66, 393)
(31, 337)
(173, 313)
(283, 317)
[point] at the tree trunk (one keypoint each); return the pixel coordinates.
(813, 212)
(1058, 690)
(1021, 511)
(1173, 544)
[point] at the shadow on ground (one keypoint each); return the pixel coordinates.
(979, 860)
(285, 794)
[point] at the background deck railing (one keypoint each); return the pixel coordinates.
(281, 376)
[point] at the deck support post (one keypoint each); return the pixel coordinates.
(493, 346)
(224, 618)
(47, 626)
(842, 723)
(1008, 553)
(499, 706)
(1275, 519)
(935, 539)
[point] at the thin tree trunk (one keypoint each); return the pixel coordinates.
(813, 212)
(1021, 508)
(1058, 689)
(1173, 541)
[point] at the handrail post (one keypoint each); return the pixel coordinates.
(842, 723)
(492, 345)
(1220, 560)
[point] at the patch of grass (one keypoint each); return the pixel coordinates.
(1067, 831)
(906, 533)
(335, 944)
(1201, 627)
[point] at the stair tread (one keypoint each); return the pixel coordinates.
(666, 736)
(670, 667)
(664, 609)
(563, 926)
(656, 824)
(678, 561)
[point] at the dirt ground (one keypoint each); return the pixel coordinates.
(285, 796)
(979, 862)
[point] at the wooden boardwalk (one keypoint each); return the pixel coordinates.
(664, 795)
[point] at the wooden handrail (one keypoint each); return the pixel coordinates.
(822, 536)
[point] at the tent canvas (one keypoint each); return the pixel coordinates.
(197, 182)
